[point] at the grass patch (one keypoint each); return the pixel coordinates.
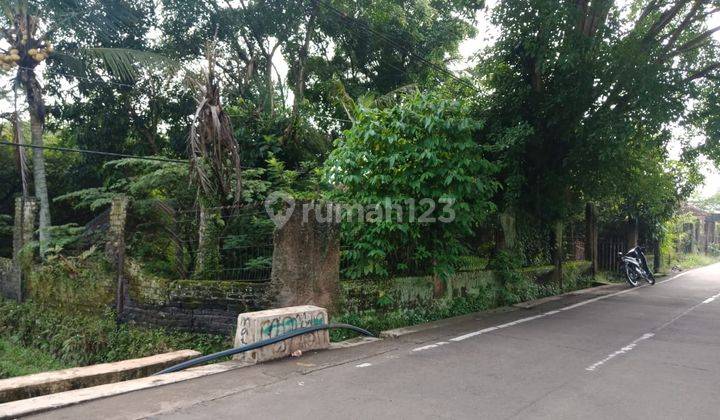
(18, 360)
(79, 340)
(688, 261)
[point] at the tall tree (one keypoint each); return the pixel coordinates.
(578, 84)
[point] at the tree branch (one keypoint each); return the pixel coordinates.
(695, 42)
(704, 72)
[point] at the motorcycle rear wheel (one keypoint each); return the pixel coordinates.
(632, 276)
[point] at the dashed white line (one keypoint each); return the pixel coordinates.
(619, 352)
(646, 336)
(712, 299)
(431, 346)
(363, 365)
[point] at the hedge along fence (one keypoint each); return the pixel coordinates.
(412, 292)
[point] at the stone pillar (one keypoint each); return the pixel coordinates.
(115, 247)
(306, 259)
(507, 222)
(23, 231)
(591, 237)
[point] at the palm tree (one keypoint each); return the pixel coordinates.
(29, 46)
(26, 52)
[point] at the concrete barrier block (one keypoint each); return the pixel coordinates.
(261, 325)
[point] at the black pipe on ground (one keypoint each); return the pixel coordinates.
(262, 343)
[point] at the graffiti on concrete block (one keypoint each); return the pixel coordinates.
(258, 326)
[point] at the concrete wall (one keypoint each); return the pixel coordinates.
(195, 305)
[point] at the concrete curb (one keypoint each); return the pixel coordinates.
(44, 403)
(55, 381)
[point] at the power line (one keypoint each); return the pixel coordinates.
(96, 152)
(121, 155)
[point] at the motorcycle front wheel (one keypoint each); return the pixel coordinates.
(632, 276)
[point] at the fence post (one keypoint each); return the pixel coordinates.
(557, 251)
(23, 231)
(207, 261)
(591, 237)
(115, 247)
(509, 230)
(657, 260)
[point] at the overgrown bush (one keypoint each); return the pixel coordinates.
(423, 149)
(78, 340)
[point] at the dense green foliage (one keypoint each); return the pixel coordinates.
(575, 102)
(422, 150)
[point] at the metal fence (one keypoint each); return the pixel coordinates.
(239, 244)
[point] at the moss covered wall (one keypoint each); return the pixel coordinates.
(6, 287)
(411, 292)
(196, 305)
(72, 285)
(88, 286)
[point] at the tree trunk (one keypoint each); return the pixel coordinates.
(36, 107)
(302, 60)
(631, 238)
(591, 238)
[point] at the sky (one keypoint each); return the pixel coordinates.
(486, 33)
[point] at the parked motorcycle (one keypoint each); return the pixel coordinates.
(634, 267)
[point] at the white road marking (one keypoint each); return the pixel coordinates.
(362, 365)
(711, 299)
(544, 314)
(646, 336)
(431, 346)
(619, 352)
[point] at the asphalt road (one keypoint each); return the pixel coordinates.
(652, 352)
